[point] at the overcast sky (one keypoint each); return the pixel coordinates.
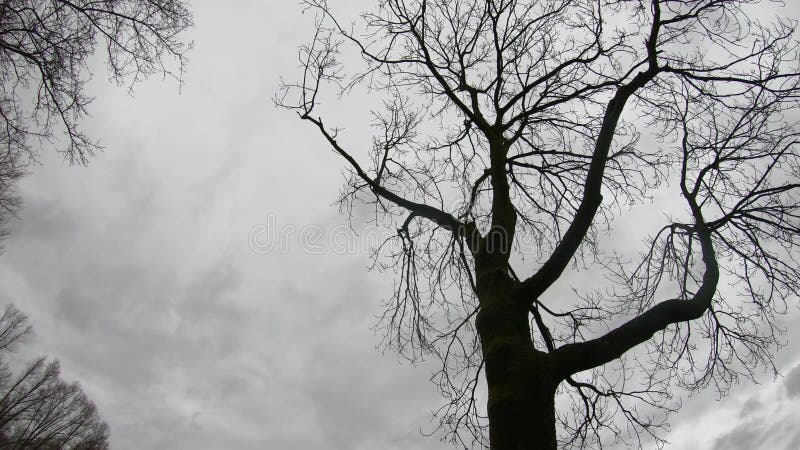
(137, 273)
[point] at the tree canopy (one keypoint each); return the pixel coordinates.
(513, 137)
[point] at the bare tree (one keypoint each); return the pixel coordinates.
(512, 135)
(12, 168)
(45, 46)
(37, 409)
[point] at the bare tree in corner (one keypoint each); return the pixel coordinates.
(37, 409)
(45, 46)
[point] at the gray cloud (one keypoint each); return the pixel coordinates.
(766, 419)
(772, 432)
(792, 382)
(794, 444)
(750, 407)
(746, 436)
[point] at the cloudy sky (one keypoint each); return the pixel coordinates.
(138, 273)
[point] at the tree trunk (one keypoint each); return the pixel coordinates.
(521, 405)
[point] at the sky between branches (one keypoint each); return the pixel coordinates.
(137, 272)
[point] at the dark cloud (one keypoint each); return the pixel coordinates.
(792, 382)
(766, 421)
(766, 433)
(794, 444)
(747, 436)
(750, 407)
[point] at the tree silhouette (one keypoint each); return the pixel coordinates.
(45, 46)
(512, 136)
(37, 409)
